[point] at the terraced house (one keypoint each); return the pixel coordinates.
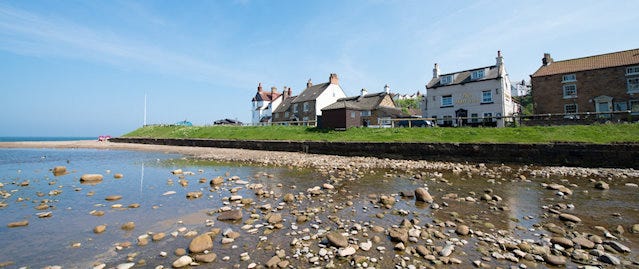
(600, 83)
(306, 107)
(474, 97)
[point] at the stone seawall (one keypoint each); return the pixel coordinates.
(554, 154)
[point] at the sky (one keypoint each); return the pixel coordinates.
(83, 68)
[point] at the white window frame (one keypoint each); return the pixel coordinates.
(569, 78)
(306, 107)
(568, 105)
(632, 70)
(294, 108)
(483, 97)
(573, 95)
(635, 86)
(446, 80)
(445, 97)
(477, 74)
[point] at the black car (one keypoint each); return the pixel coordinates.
(415, 123)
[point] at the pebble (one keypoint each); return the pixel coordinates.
(182, 261)
(337, 239)
(569, 217)
(128, 226)
(346, 251)
(99, 229)
(201, 243)
(18, 224)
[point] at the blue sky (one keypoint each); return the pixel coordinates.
(82, 68)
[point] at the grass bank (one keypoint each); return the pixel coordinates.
(599, 134)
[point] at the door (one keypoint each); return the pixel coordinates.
(603, 104)
(462, 117)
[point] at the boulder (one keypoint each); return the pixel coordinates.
(59, 170)
(422, 195)
(398, 235)
(201, 243)
(602, 185)
(337, 239)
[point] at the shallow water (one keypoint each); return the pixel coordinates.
(48, 241)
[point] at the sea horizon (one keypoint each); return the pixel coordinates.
(45, 138)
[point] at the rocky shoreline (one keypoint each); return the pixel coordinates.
(444, 219)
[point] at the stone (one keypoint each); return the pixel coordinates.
(91, 178)
(125, 265)
(609, 259)
(398, 235)
(346, 251)
(193, 194)
(216, 181)
(422, 250)
(128, 226)
(328, 186)
(230, 215)
(275, 218)
(564, 242)
(635, 228)
(99, 229)
(617, 246)
(180, 252)
(462, 230)
(118, 175)
(555, 260)
(272, 262)
(447, 250)
(583, 242)
(569, 217)
(289, 198)
(209, 257)
(18, 224)
(111, 198)
(602, 185)
(201, 243)
(158, 236)
(182, 261)
(177, 172)
(59, 170)
(422, 195)
(366, 246)
(337, 239)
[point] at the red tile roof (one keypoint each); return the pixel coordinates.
(614, 59)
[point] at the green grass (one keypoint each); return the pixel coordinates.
(598, 133)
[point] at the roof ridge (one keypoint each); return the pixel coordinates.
(472, 69)
(598, 55)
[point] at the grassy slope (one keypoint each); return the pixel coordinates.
(604, 133)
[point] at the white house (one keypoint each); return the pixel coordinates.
(478, 96)
(264, 103)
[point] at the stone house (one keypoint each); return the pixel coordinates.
(600, 83)
(306, 107)
(478, 96)
(363, 110)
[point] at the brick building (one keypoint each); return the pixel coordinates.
(600, 83)
(363, 110)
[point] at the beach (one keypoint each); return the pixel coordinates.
(166, 206)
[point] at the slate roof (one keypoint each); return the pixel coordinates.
(463, 77)
(614, 59)
(366, 102)
(311, 93)
(286, 103)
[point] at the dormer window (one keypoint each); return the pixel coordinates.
(446, 80)
(477, 74)
(569, 78)
(633, 70)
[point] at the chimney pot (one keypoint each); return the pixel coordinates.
(309, 83)
(273, 89)
(364, 92)
(436, 71)
(259, 87)
(546, 60)
(333, 79)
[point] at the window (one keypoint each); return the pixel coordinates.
(634, 106)
(352, 114)
(486, 96)
(447, 100)
(633, 70)
(286, 114)
(305, 119)
(633, 85)
(477, 74)
(570, 109)
(276, 115)
(446, 80)
(474, 117)
(569, 78)
(366, 113)
(448, 120)
(570, 91)
(620, 106)
(295, 108)
(488, 117)
(306, 106)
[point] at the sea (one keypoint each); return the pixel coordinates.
(44, 138)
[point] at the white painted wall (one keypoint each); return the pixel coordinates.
(329, 96)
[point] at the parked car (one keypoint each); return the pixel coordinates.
(415, 123)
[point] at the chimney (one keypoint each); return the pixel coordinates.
(273, 90)
(284, 93)
(387, 89)
(547, 60)
(290, 92)
(333, 79)
(500, 60)
(364, 92)
(309, 83)
(436, 71)
(259, 87)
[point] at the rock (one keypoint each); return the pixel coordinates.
(346, 251)
(201, 243)
(113, 198)
(462, 230)
(118, 175)
(328, 186)
(275, 218)
(554, 259)
(366, 246)
(422, 250)
(158, 236)
(447, 250)
(564, 242)
(59, 170)
(91, 178)
(182, 261)
(609, 259)
(583, 242)
(289, 198)
(168, 193)
(180, 252)
(569, 217)
(125, 265)
(635, 228)
(230, 215)
(99, 229)
(128, 226)
(18, 224)
(177, 172)
(422, 195)
(337, 239)
(216, 181)
(209, 257)
(193, 194)
(272, 262)
(400, 246)
(602, 185)
(617, 246)
(398, 235)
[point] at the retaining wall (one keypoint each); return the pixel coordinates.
(620, 155)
